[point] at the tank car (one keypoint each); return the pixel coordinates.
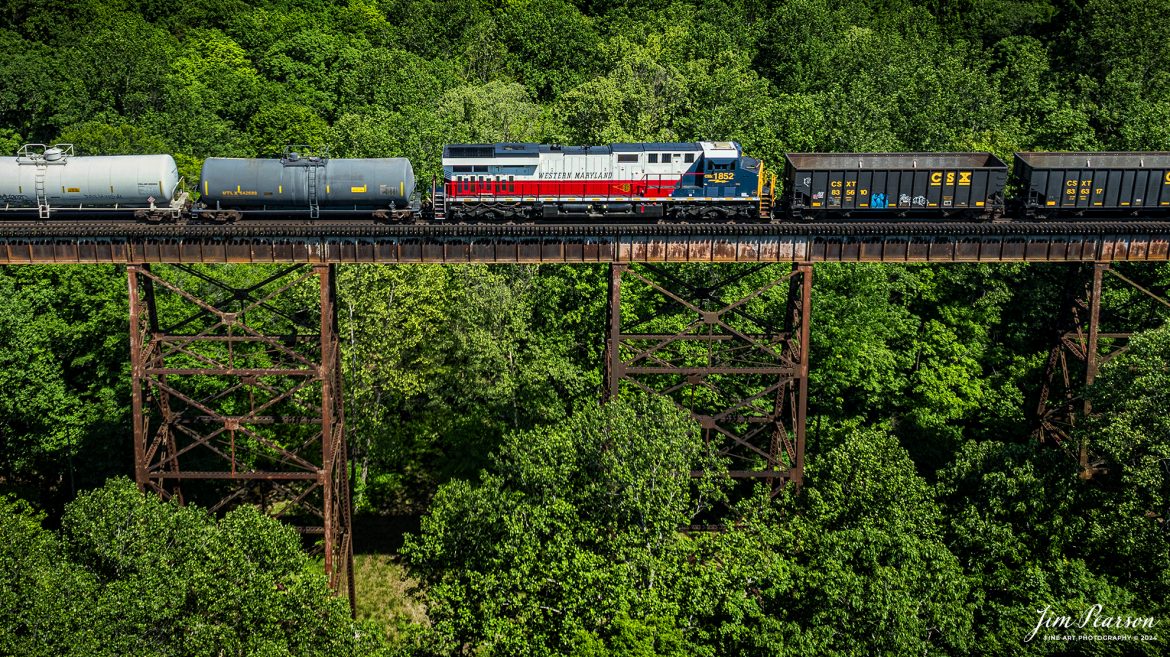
(1092, 185)
(49, 181)
(305, 186)
(694, 180)
(892, 186)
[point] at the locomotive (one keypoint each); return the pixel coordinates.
(527, 182)
(679, 181)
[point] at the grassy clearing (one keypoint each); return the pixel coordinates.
(384, 593)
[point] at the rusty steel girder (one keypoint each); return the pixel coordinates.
(1081, 348)
(237, 395)
(727, 344)
(552, 243)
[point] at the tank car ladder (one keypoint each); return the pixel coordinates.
(314, 206)
(43, 210)
(41, 160)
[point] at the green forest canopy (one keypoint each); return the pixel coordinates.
(930, 522)
(403, 77)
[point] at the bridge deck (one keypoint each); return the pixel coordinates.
(1088, 242)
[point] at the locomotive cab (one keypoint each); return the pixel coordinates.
(720, 169)
(726, 173)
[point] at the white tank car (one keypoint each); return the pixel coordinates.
(48, 181)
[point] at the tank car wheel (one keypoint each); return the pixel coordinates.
(159, 216)
(147, 216)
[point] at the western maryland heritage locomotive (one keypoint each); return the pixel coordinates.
(695, 180)
(524, 182)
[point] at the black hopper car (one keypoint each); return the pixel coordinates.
(1092, 185)
(893, 185)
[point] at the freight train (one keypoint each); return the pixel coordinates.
(523, 182)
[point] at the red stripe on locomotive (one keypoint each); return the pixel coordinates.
(644, 188)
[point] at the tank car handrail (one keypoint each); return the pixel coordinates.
(295, 152)
(175, 189)
(29, 152)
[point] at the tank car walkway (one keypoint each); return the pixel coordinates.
(322, 243)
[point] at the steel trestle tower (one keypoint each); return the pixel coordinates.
(237, 395)
(729, 344)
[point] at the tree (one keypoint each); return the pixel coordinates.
(130, 574)
(98, 138)
(1130, 430)
(31, 82)
(276, 126)
(550, 45)
(443, 361)
(1041, 114)
(875, 576)
(570, 539)
(45, 599)
(62, 366)
(393, 79)
(495, 111)
(1018, 518)
(1126, 57)
(988, 21)
(212, 89)
(120, 70)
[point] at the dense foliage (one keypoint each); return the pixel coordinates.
(931, 523)
(131, 575)
(402, 77)
(571, 546)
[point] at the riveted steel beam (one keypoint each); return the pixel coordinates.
(593, 243)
